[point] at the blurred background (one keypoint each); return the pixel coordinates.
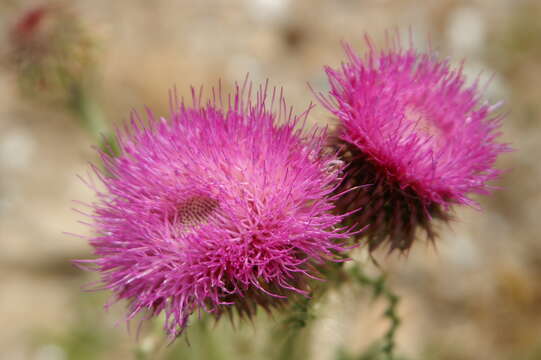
(68, 69)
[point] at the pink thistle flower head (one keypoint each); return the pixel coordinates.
(411, 128)
(225, 206)
(51, 49)
(28, 24)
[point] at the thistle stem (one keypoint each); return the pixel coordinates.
(380, 288)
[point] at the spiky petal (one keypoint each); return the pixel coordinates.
(410, 127)
(220, 207)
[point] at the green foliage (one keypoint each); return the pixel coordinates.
(85, 339)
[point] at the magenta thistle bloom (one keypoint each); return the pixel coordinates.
(218, 208)
(411, 128)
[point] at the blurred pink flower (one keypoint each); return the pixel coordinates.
(411, 128)
(50, 49)
(28, 25)
(220, 207)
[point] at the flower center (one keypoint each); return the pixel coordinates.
(423, 124)
(196, 211)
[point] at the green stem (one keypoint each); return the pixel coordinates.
(381, 289)
(90, 114)
(290, 337)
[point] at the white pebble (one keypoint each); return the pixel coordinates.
(466, 30)
(16, 149)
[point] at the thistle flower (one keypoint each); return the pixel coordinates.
(219, 208)
(27, 26)
(410, 128)
(51, 50)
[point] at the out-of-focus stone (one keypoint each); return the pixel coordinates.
(466, 31)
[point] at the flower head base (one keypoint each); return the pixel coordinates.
(217, 208)
(412, 129)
